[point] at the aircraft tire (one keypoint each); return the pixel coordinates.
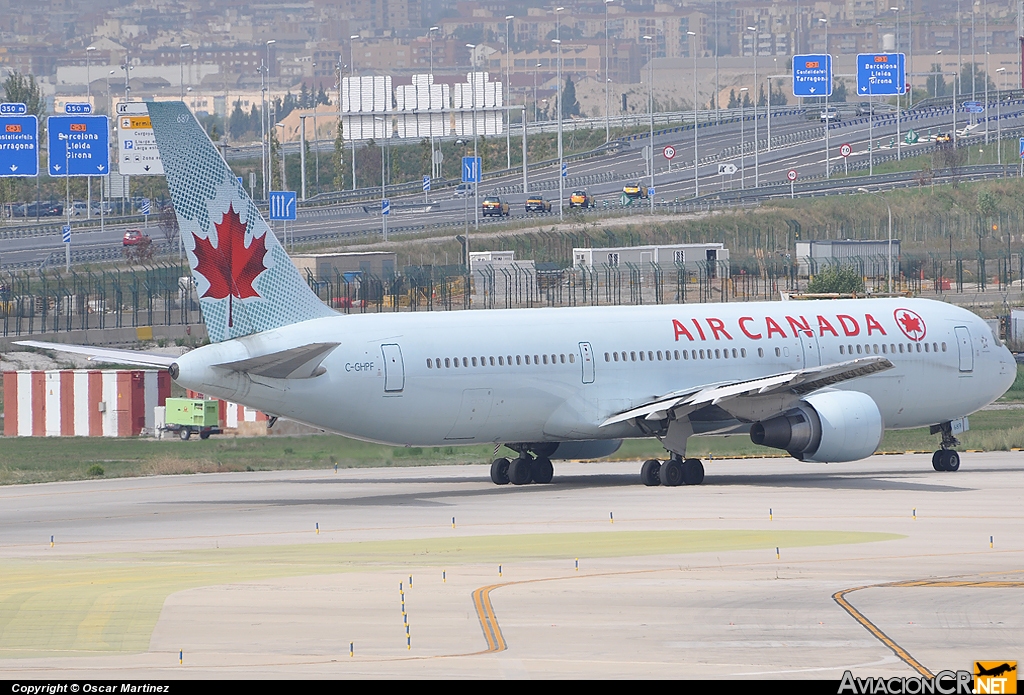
(937, 460)
(671, 473)
(520, 471)
(542, 470)
(499, 471)
(650, 473)
(951, 460)
(693, 472)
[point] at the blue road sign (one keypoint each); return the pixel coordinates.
(888, 71)
(974, 107)
(12, 108)
(650, 191)
(470, 170)
(65, 233)
(19, 146)
(282, 205)
(385, 206)
(812, 75)
(1022, 148)
(565, 169)
(240, 182)
(72, 109)
(146, 208)
(78, 145)
(426, 184)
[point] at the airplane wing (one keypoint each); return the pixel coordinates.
(794, 383)
(109, 355)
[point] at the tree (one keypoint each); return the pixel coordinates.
(169, 225)
(734, 103)
(973, 79)
(839, 92)
(338, 158)
(570, 107)
(837, 279)
(25, 90)
(936, 83)
(778, 96)
(746, 100)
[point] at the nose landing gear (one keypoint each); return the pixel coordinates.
(946, 459)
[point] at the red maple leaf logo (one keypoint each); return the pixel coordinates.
(230, 267)
(910, 323)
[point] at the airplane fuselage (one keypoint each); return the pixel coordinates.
(541, 375)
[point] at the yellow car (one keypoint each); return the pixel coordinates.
(581, 199)
(943, 138)
(493, 205)
(536, 203)
(635, 190)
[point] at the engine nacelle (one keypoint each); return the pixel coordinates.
(593, 449)
(828, 427)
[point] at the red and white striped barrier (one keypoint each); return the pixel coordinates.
(83, 402)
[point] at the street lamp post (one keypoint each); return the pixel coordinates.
(181, 69)
(607, 76)
(871, 120)
(696, 157)
(561, 94)
(508, 86)
(383, 184)
(650, 110)
(743, 140)
(888, 269)
(899, 145)
(88, 98)
(999, 121)
(828, 121)
(756, 147)
(352, 75)
(479, 172)
(430, 104)
(536, 114)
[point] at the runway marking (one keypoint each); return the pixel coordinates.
(840, 598)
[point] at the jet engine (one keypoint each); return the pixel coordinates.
(827, 427)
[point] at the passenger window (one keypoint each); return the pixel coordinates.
(686, 355)
(641, 355)
(465, 361)
(501, 361)
(926, 347)
(702, 354)
(743, 352)
(607, 357)
(527, 359)
(935, 347)
(562, 356)
(572, 358)
(429, 363)
(519, 360)
(875, 348)
(545, 359)
(616, 356)
(718, 355)
(447, 363)
(650, 355)
(919, 347)
(659, 355)
(677, 354)
(842, 350)
(474, 361)
(901, 348)
(858, 349)
(509, 358)
(760, 352)
(632, 356)
(537, 361)
(492, 361)
(778, 352)
(943, 347)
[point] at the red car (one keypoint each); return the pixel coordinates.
(133, 237)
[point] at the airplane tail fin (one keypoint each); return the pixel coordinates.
(245, 280)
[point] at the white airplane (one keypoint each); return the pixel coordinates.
(821, 380)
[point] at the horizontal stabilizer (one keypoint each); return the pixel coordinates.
(108, 355)
(294, 363)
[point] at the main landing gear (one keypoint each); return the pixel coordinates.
(524, 469)
(946, 459)
(673, 472)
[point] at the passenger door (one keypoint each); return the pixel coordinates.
(587, 357)
(966, 349)
(394, 368)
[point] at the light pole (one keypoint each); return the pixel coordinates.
(508, 86)
(383, 185)
(888, 269)
(899, 145)
(607, 76)
(88, 98)
(479, 172)
(561, 159)
(181, 69)
(352, 76)
(316, 135)
(871, 120)
(743, 140)
(265, 119)
(696, 158)
(650, 110)
(828, 118)
(756, 147)
(536, 114)
(999, 121)
(430, 103)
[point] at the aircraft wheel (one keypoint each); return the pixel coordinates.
(671, 473)
(520, 471)
(499, 471)
(937, 460)
(951, 460)
(650, 473)
(542, 470)
(693, 472)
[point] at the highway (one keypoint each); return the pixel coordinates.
(797, 143)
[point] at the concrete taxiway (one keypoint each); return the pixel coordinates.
(771, 569)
